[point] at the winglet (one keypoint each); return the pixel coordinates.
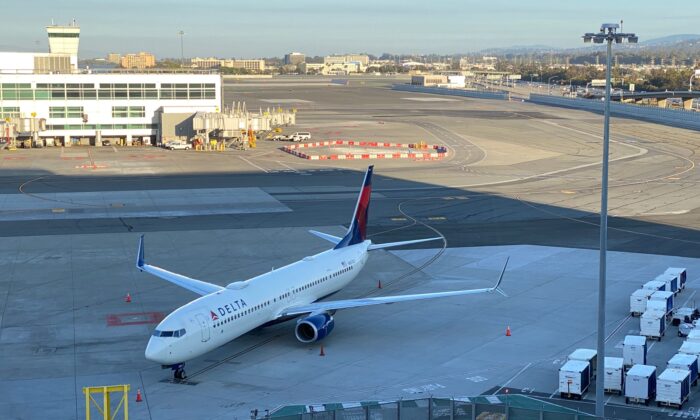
(139, 257)
(496, 288)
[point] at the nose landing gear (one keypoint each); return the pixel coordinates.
(178, 371)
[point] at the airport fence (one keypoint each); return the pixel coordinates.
(480, 94)
(491, 407)
(673, 117)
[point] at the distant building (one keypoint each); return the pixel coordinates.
(206, 63)
(342, 59)
(294, 58)
(252, 65)
(141, 60)
(114, 58)
(345, 64)
(312, 68)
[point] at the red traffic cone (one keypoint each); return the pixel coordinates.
(379, 284)
(138, 395)
(508, 331)
(322, 353)
(127, 299)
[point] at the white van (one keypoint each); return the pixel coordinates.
(300, 136)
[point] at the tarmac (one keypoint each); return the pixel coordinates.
(521, 180)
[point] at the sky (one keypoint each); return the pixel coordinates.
(254, 29)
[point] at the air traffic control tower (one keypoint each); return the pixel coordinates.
(64, 39)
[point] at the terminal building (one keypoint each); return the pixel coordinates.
(44, 97)
(87, 108)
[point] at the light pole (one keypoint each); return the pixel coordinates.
(608, 33)
(692, 76)
(182, 48)
(549, 87)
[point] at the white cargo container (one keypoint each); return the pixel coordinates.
(657, 306)
(682, 274)
(586, 355)
(640, 384)
(689, 347)
(670, 280)
(655, 285)
(694, 336)
(665, 297)
(574, 379)
(614, 379)
(638, 301)
(688, 362)
(673, 387)
(634, 350)
(652, 324)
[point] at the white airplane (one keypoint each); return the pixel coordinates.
(222, 314)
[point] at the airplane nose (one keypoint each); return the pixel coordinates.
(156, 351)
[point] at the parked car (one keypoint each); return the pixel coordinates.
(178, 145)
(300, 136)
(278, 137)
(106, 143)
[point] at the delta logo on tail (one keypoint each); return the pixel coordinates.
(358, 228)
(213, 316)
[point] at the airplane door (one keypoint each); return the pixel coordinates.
(204, 324)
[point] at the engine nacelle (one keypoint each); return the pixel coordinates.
(314, 328)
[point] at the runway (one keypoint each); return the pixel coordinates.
(521, 180)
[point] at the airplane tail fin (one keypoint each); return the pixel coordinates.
(357, 232)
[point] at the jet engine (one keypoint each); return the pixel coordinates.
(314, 328)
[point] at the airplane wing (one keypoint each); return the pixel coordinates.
(318, 307)
(393, 244)
(200, 287)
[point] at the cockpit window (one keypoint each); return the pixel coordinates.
(162, 333)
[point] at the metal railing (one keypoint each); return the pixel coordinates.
(492, 407)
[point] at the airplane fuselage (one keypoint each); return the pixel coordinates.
(217, 318)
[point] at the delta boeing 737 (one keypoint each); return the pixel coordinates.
(222, 314)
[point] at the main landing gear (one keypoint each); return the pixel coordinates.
(178, 371)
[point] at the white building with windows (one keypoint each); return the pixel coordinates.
(88, 107)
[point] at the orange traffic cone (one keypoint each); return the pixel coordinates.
(508, 331)
(127, 299)
(379, 284)
(322, 353)
(138, 395)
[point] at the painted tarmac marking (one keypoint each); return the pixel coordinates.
(134, 318)
(476, 379)
(253, 165)
(423, 388)
(287, 166)
(513, 378)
